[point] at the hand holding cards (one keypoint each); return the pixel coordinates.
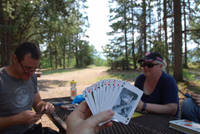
(120, 96)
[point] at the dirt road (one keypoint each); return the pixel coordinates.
(58, 85)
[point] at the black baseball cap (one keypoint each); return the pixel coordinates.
(152, 56)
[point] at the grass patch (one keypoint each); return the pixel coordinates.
(53, 71)
(191, 82)
(188, 76)
(122, 75)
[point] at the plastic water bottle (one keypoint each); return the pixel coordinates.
(73, 89)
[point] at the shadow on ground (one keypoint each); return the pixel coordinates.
(192, 86)
(43, 85)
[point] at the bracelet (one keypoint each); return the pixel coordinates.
(144, 107)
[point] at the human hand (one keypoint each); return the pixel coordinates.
(196, 97)
(28, 117)
(81, 121)
(44, 107)
(140, 105)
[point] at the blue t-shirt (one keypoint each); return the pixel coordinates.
(166, 90)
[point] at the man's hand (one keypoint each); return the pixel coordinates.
(23, 118)
(28, 117)
(44, 107)
(80, 120)
(196, 97)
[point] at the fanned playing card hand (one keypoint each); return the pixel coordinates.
(120, 96)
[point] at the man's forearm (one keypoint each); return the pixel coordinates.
(37, 100)
(6, 122)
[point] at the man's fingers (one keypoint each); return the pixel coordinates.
(99, 118)
(82, 111)
(82, 107)
(108, 124)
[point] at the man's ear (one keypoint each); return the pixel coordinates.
(15, 60)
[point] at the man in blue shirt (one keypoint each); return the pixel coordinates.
(160, 89)
(190, 109)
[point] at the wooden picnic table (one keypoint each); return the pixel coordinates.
(145, 124)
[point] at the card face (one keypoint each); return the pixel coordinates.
(126, 103)
(120, 96)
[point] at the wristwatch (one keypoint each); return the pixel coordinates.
(144, 107)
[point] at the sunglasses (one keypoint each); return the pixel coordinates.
(28, 69)
(148, 64)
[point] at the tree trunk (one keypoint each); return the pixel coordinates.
(177, 41)
(56, 57)
(185, 37)
(159, 23)
(5, 38)
(64, 53)
(165, 31)
(149, 5)
(144, 25)
(50, 56)
(69, 54)
(76, 52)
(125, 38)
(133, 41)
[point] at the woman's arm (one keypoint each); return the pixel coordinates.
(170, 108)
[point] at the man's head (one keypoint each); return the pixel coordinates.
(26, 59)
(26, 48)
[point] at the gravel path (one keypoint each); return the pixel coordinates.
(58, 85)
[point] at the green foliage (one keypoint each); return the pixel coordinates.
(194, 55)
(188, 75)
(56, 24)
(157, 46)
(195, 23)
(84, 54)
(100, 62)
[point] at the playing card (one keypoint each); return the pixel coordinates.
(111, 86)
(96, 97)
(88, 102)
(90, 99)
(106, 105)
(118, 95)
(126, 103)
